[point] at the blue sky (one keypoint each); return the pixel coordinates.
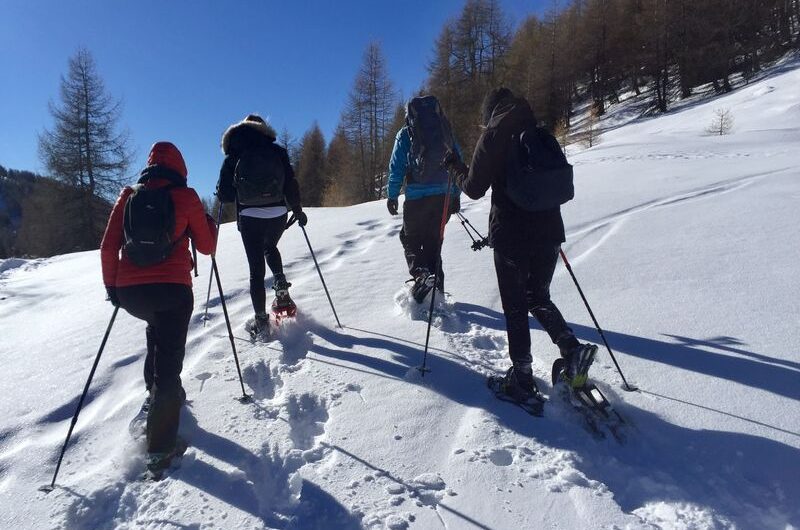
(187, 69)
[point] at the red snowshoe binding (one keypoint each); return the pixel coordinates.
(283, 306)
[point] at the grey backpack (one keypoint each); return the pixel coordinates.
(259, 177)
(431, 138)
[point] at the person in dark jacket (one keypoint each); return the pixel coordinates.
(160, 294)
(526, 245)
(261, 223)
(425, 189)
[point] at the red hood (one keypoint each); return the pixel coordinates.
(167, 155)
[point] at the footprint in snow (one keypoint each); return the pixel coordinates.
(262, 379)
(307, 416)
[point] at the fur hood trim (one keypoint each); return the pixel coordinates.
(264, 128)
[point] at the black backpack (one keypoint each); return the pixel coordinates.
(148, 226)
(259, 177)
(431, 138)
(539, 176)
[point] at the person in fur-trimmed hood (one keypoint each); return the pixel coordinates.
(257, 175)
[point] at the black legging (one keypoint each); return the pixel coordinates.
(524, 281)
(419, 236)
(167, 308)
(260, 238)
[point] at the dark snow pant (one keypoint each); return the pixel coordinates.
(167, 308)
(524, 281)
(420, 233)
(260, 238)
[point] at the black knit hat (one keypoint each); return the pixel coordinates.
(255, 118)
(493, 97)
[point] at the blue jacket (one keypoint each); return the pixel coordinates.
(398, 167)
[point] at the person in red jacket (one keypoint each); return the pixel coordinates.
(160, 294)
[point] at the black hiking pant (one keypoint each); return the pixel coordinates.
(260, 238)
(420, 234)
(167, 308)
(524, 281)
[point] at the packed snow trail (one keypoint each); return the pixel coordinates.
(686, 246)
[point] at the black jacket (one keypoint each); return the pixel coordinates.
(247, 136)
(511, 229)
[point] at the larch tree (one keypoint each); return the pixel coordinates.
(367, 118)
(85, 148)
(343, 185)
(311, 167)
(469, 59)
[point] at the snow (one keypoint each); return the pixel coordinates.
(686, 246)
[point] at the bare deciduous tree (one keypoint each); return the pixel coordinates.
(591, 132)
(366, 121)
(344, 187)
(85, 149)
(311, 167)
(469, 59)
(722, 123)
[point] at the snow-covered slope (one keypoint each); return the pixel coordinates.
(687, 247)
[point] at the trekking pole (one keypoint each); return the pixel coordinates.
(194, 257)
(46, 488)
(442, 225)
(627, 387)
(211, 272)
(215, 271)
(319, 271)
(479, 243)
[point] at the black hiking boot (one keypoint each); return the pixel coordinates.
(518, 384)
(159, 463)
(423, 283)
(578, 360)
(283, 305)
(258, 325)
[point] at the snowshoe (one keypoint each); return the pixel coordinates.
(283, 306)
(508, 388)
(159, 463)
(590, 402)
(423, 284)
(258, 326)
(138, 425)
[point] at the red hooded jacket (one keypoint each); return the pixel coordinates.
(165, 166)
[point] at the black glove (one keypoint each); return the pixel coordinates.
(111, 295)
(391, 205)
(300, 215)
(449, 158)
(455, 204)
(453, 163)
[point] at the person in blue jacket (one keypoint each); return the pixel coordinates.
(419, 149)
